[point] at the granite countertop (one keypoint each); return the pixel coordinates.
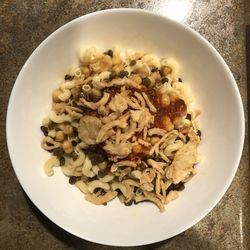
(24, 25)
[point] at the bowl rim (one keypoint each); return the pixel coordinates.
(199, 37)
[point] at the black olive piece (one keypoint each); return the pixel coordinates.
(109, 53)
(62, 161)
(49, 144)
(94, 98)
(96, 154)
(102, 191)
(112, 75)
(51, 125)
(85, 109)
(119, 192)
(187, 139)
(90, 83)
(179, 79)
(161, 72)
(74, 143)
(109, 163)
(96, 158)
(96, 190)
(146, 81)
(129, 203)
(132, 63)
(103, 172)
(188, 117)
(58, 152)
(123, 73)
(164, 79)
(82, 94)
(74, 155)
(199, 132)
(137, 202)
(179, 187)
(74, 132)
(92, 178)
(157, 81)
(68, 77)
(45, 130)
(74, 104)
(85, 96)
(105, 204)
(157, 158)
(171, 187)
(154, 69)
(73, 179)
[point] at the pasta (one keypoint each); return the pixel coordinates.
(121, 125)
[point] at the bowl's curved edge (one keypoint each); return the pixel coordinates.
(241, 112)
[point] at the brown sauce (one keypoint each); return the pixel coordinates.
(174, 110)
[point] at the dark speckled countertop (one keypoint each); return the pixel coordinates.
(24, 25)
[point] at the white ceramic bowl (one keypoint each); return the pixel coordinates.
(215, 91)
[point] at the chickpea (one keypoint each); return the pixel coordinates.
(67, 130)
(165, 100)
(117, 68)
(86, 71)
(168, 125)
(166, 70)
(154, 139)
(59, 107)
(152, 81)
(177, 121)
(67, 147)
(137, 149)
(59, 136)
(116, 60)
(55, 95)
(136, 79)
(173, 96)
(52, 133)
(96, 92)
(156, 75)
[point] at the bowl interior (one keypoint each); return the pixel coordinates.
(215, 93)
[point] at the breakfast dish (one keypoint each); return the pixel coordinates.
(122, 125)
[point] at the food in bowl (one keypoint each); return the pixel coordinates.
(122, 125)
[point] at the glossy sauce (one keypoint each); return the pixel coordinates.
(175, 109)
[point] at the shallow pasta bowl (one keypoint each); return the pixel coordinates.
(215, 93)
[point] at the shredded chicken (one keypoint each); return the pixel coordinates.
(157, 165)
(89, 128)
(118, 103)
(108, 126)
(96, 105)
(115, 166)
(149, 103)
(145, 119)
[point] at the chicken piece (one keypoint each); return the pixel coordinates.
(89, 128)
(101, 64)
(122, 149)
(118, 103)
(183, 162)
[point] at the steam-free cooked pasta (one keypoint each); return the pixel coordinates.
(122, 125)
